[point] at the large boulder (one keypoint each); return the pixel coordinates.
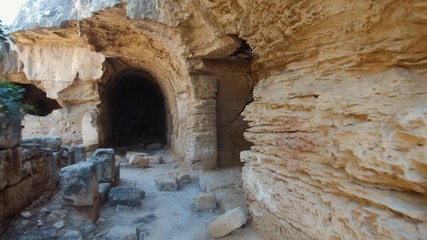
(79, 184)
(228, 222)
(105, 161)
(139, 161)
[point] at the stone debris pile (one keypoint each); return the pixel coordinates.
(89, 184)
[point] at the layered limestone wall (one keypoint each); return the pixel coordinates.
(340, 130)
(338, 121)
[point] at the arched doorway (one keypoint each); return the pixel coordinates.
(134, 107)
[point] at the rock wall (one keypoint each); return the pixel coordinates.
(29, 171)
(74, 65)
(338, 118)
(339, 126)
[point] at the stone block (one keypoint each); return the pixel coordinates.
(14, 199)
(139, 161)
(52, 142)
(127, 196)
(10, 133)
(227, 222)
(184, 178)
(63, 157)
(71, 155)
(11, 165)
(79, 153)
(165, 182)
(91, 211)
(105, 161)
(43, 168)
(205, 201)
(104, 189)
(79, 184)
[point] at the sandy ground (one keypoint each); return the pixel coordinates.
(161, 216)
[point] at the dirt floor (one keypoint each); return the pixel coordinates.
(161, 215)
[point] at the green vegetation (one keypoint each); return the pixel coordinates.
(11, 105)
(11, 96)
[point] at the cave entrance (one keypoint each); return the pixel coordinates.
(40, 104)
(135, 111)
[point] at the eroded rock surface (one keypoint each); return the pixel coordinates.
(338, 115)
(339, 134)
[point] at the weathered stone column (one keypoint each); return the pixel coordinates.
(201, 145)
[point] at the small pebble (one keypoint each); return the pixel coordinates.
(26, 214)
(39, 223)
(44, 210)
(59, 224)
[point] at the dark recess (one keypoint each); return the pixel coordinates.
(136, 111)
(243, 53)
(41, 104)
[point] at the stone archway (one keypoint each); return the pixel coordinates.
(134, 110)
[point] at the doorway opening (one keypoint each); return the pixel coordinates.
(135, 111)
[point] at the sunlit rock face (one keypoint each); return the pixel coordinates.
(78, 63)
(338, 117)
(51, 13)
(339, 120)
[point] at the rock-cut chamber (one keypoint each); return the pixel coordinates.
(135, 111)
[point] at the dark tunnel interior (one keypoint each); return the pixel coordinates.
(136, 111)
